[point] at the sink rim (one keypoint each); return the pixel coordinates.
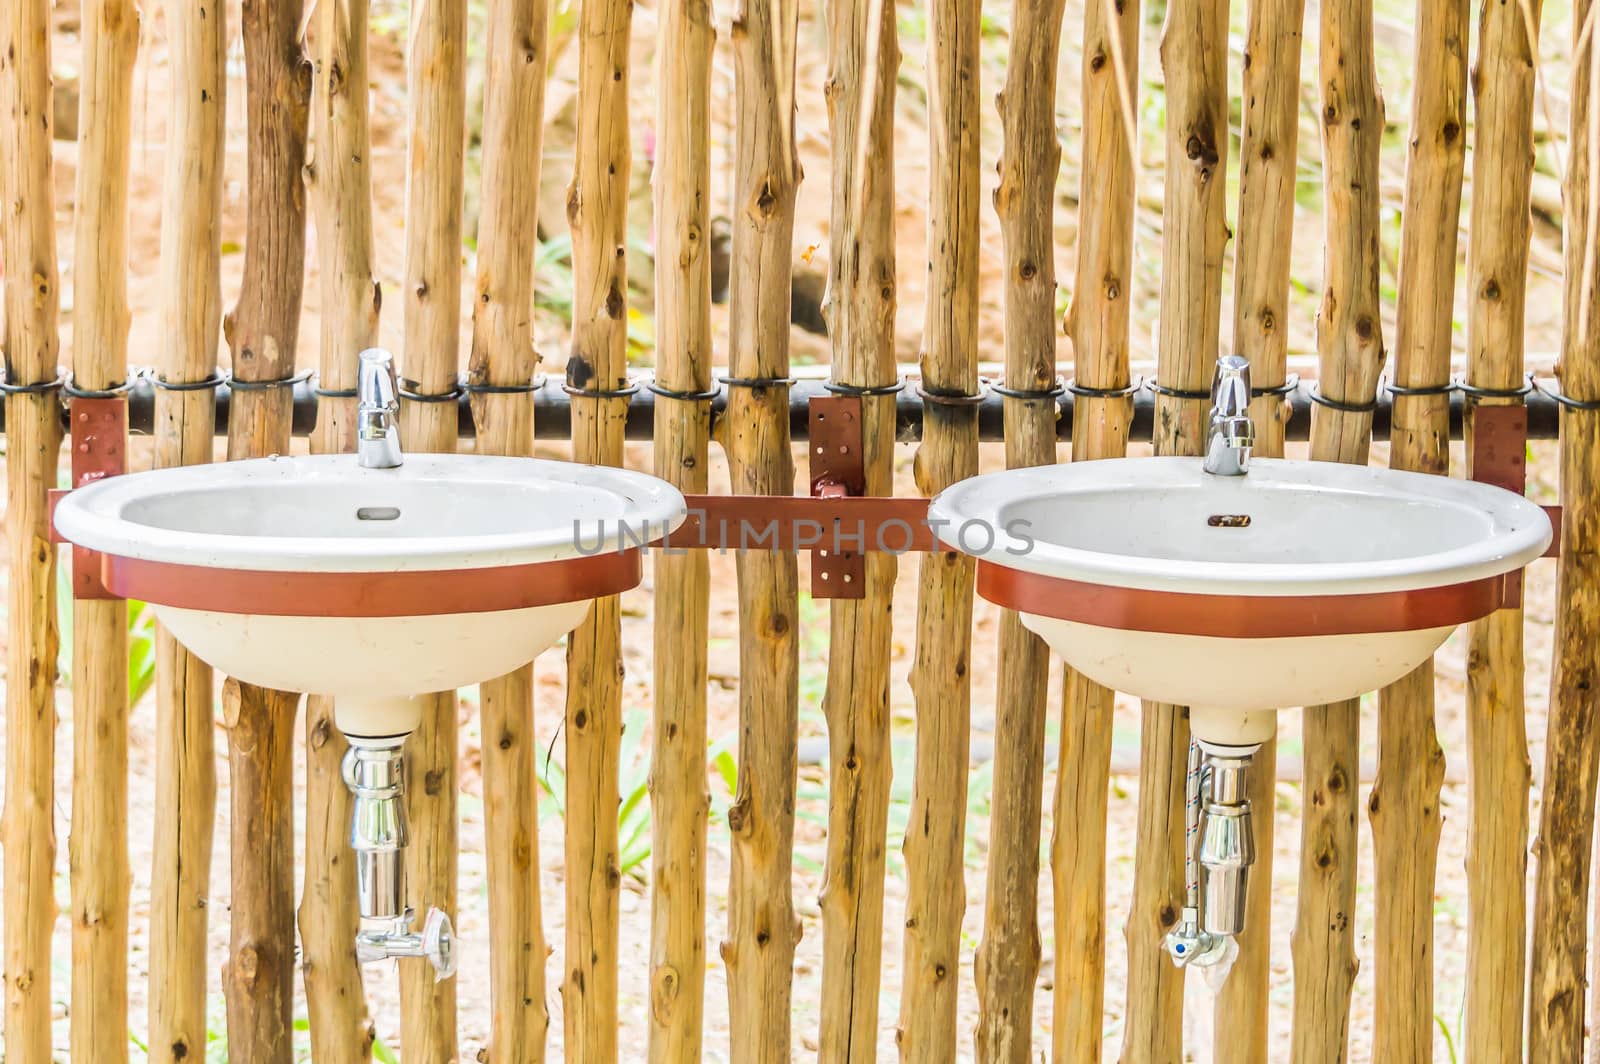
(1521, 530)
(93, 516)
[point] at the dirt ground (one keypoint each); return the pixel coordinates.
(388, 99)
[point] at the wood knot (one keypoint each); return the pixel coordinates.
(580, 719)
(433, 782)
(1491, 289)
(1097, 62)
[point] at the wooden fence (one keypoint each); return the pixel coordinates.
(312, 90)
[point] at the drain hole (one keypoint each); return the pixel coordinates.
(1229, 520)
(377, 513)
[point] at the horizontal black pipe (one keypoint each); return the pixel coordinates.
(553, 413)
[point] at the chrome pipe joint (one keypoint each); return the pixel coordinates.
(1232, 434)
(377, 411)
(374, 770)
(1227, 846)
(1219, 853)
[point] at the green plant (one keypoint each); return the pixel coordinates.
(141, 637)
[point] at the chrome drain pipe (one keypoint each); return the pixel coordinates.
(1219, 848)
(374, 770)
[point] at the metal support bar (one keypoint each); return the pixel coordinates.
(553, 413)
(99, 437)
(1500, 457)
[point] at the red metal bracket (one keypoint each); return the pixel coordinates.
(99, 449)
(837, 472)
(1499, 456)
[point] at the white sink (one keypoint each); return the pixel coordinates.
(446, 571)
(1296, 584)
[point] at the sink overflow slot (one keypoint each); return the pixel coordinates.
(377, 513)
(1229, 520)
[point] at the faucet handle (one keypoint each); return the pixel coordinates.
(1230, 386)
(376, 386)
(1231, 376)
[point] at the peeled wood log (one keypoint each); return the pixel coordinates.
(1350, 353)
(1007, 962)
(257, 978)
(262, 331)
(503, 354)
(1267, 160)
(1566, 817)
(863, 56)
(679, 797)
(1268, 155)
(1098, 323)
(762, 927)
(186, 781)
(98, 843)
(1194, 50)
(435, 174)
(340, 185)
(33, 447)
(941, 677)
(597, 207)
(1499, 775)
(1404, 804)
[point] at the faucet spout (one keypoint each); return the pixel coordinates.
(377, 411)
(1232, 434)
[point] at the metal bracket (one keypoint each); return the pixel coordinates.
(1499, 456)
(99, 449)
(837, 471)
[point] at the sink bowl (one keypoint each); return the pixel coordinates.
(1297, 584)
(372, 585)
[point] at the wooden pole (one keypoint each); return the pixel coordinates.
(33, 447)
(1404, 804)
(1566, 817)
(186, 782)
(435, 177)
(679, 796)
(863, 56)
(340, 184)
(503, 354)
(1007, 962)
(1350, 356)
(98, 844)
(762, 927)
(1097, 323)
(1194, 53)
(598, 210)
(1267, 160)
(1499, 776)
(941, 678)
(262, 331)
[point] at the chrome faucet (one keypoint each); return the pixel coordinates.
(1232, 434)
(377, 411)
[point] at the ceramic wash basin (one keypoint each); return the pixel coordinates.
(1297, 584)
(373, 585)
